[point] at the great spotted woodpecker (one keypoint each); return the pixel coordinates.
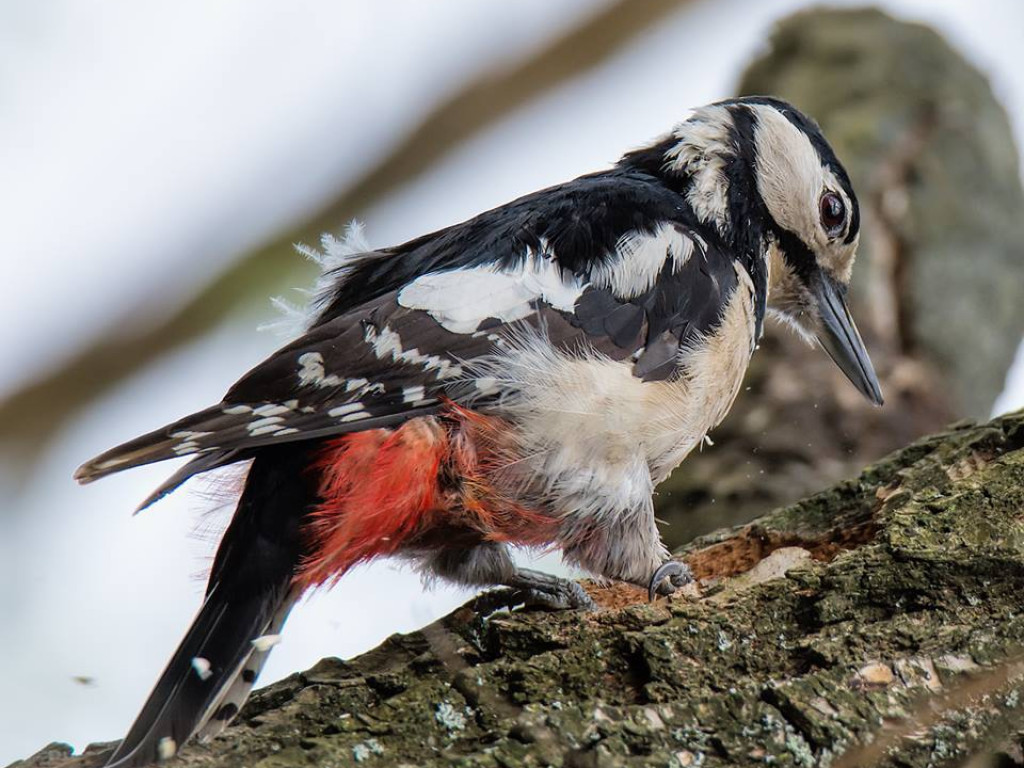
(526, 377)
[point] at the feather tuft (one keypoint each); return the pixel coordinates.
(336, 258)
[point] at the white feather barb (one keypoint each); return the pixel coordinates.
(336, 257)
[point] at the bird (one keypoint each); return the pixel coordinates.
(524, 378)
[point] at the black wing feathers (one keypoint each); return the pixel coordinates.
(580, 221)
(367, 361)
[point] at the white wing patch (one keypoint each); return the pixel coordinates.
(202, 667)
(267, 426)
(460, 299)
(413, 394)
(188, 440)
(345, 410)
(640, 258)
(312, 373)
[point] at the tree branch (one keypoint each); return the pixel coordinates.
(885, 610)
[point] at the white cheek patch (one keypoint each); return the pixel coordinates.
(790, 176)
(791, 180)
(461, 299)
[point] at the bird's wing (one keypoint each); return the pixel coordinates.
(647, 284)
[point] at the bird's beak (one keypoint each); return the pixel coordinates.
(839, 337)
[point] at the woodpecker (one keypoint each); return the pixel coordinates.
(526, 377)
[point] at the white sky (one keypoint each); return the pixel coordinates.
(156, 141)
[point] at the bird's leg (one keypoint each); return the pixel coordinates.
(489, 564)
(628, 548)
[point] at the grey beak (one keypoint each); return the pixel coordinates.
(840, 339)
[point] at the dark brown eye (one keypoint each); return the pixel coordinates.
(833, 213)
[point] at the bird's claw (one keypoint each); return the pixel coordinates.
(540, 590)
(572, 597)
(670, 575)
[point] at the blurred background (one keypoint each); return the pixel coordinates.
(158, 160)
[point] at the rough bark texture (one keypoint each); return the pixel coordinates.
(938, 279)
(886, 611)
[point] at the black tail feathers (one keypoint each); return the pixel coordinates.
(248, 599)
(207, 679)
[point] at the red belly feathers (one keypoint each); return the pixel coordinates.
(430, 481)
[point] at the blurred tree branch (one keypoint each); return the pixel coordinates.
(33, 415)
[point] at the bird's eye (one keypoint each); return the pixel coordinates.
(833, 213)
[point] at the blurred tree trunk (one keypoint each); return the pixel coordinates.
(878, 623)
(938, 284)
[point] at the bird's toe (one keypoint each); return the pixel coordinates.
(670, 576)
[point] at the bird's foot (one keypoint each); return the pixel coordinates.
(538, 590)
(670, 576)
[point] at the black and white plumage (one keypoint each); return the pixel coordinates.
(605, 324)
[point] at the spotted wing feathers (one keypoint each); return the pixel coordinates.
(608, 264)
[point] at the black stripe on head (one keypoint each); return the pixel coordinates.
(797, 254)
(828, 158)
(748, 215)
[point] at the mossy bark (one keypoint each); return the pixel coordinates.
(881, 621)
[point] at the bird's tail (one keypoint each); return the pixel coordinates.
(250, 593)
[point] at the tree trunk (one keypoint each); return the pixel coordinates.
(879, 622)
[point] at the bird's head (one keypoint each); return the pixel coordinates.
(812, 239)
(761, 173)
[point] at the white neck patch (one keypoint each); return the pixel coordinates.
(705, 147)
